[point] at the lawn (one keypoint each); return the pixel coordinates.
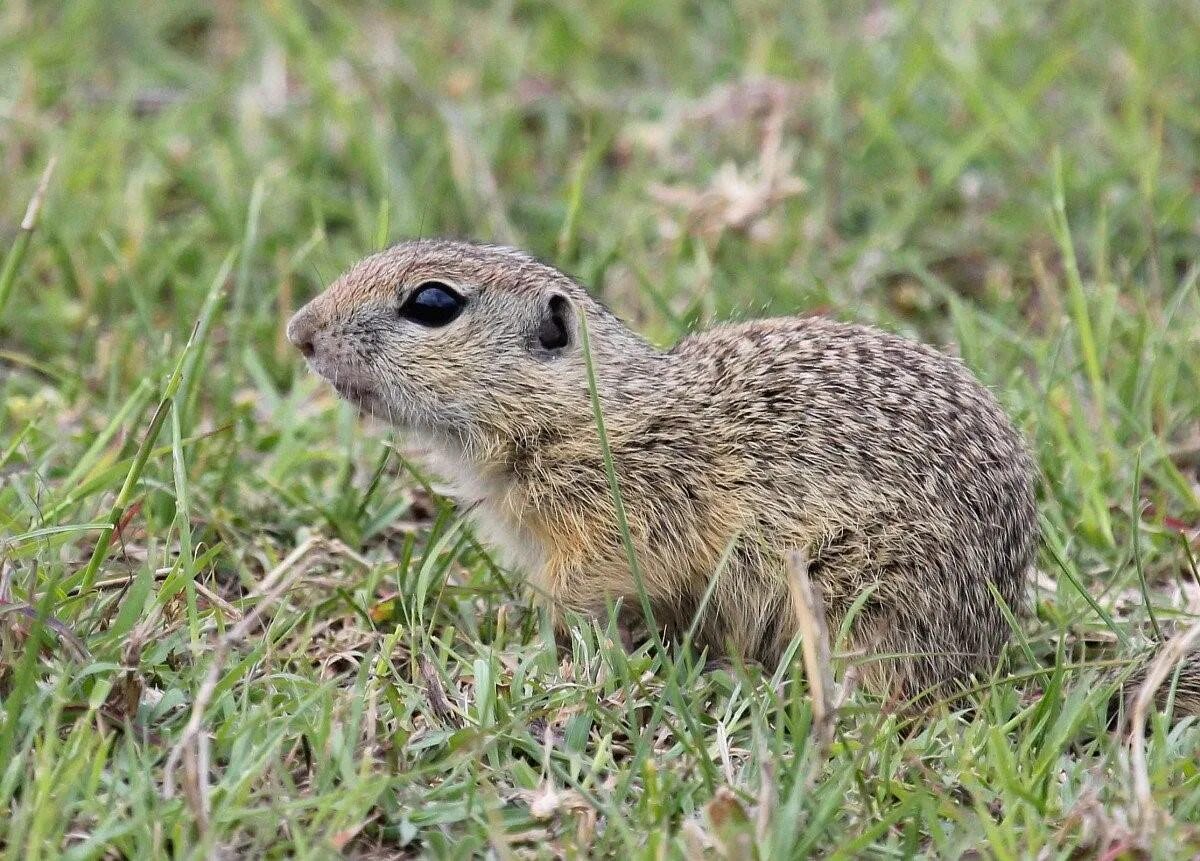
(236, 621)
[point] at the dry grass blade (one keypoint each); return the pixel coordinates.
(810, 614)
(8, 275)
(1175, 650)
(216, 600)
(34, 209)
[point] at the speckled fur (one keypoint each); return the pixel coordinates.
(884, 459)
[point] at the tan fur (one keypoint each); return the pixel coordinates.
(884, 459)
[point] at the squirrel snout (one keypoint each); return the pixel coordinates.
(301, 331)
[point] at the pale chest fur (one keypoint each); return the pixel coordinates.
(493, 505)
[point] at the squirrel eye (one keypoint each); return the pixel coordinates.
(433, 304)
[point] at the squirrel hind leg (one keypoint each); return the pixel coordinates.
(629, 623)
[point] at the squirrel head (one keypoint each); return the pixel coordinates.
(458, 340)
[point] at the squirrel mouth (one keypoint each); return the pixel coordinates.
(350, 392)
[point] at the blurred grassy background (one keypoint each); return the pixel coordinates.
(1017, 182)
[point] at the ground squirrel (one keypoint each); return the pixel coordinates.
(884, 460)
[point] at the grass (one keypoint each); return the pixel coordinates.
(180, 503)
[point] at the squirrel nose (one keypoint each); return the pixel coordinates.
(300, 332)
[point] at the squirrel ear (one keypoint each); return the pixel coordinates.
(557, 326)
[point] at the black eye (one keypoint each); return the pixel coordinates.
(433, 304)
